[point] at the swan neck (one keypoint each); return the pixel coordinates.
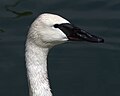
(36, 63)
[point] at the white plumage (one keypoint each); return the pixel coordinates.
(45, 32)
(41, 37)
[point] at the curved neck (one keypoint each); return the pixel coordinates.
(36, 63)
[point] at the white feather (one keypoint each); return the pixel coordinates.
(41, 37)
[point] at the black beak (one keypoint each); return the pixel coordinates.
(76, 34)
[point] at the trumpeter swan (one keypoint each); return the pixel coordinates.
(45, 32)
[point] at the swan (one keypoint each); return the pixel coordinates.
(45, 32)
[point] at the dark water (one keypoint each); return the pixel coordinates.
(75, 69)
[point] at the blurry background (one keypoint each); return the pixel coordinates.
(75, 69)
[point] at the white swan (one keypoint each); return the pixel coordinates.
(45, 32)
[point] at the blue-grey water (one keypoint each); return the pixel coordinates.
(75, 68)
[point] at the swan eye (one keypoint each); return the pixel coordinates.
(56, 25)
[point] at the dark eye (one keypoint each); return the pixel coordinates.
(56, 25)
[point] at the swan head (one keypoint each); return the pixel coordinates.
(50, 29)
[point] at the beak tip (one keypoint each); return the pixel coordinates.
(100, 40)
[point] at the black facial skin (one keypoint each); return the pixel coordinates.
(76, 34)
